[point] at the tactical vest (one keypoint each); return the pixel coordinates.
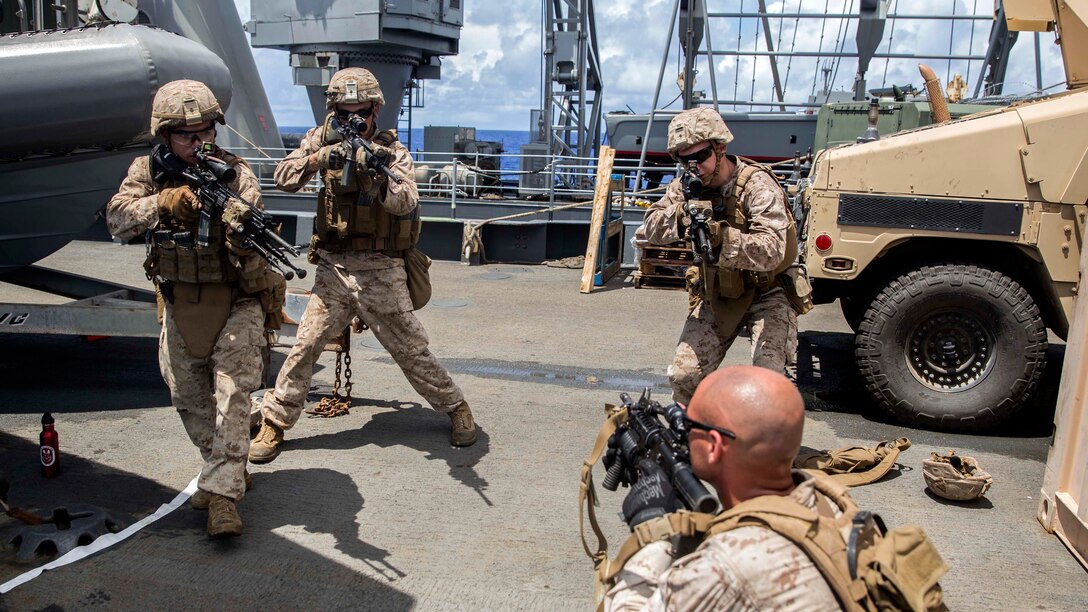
(202, 283)
(731, 282)
(175, 256)
(351, 217)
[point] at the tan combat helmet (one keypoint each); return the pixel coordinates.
(955, 477)
(353, 86)
(696, 125)
(181, 103)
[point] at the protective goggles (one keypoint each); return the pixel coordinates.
(362, 112)
(191, 136)
(698, 157)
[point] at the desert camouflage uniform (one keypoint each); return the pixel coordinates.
(770, 321)
(378, 295)
(748, 568)
(212, 394)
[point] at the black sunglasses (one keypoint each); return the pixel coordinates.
(698, 157)
(691, 424)
(362, 112)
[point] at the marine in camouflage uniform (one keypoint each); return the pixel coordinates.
(211, 298)
(748, 568)
(746, 429)
(362, 233)
(755, 237)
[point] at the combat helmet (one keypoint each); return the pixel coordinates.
(183, 102)
(954, 477)
(696, 125)
(353, 86)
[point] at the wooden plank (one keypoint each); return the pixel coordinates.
(600, 201)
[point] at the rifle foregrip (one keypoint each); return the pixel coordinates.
(697, 497)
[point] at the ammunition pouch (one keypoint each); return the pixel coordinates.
(731, 283)
(252, 273)
(272, 299)
(190, 264)
(418, 266)
(798, 288)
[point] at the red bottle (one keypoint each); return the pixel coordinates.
(50, 448)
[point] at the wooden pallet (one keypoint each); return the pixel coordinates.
(663, 267)
(678, 254)
(659, 281)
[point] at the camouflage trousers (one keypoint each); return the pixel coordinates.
(771, 323)
(380, 298)
(212, 394)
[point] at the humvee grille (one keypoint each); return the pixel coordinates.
(962, 216)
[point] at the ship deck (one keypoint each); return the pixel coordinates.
(374, 510)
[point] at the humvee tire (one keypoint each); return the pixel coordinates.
(952, 346)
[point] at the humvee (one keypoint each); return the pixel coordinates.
(952, 248)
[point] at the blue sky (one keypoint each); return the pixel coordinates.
(495, 79)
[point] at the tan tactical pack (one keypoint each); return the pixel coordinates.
(867, 566)
(351, 217)
(853, 465)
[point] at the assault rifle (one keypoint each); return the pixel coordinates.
(350, 135)
(700, 230)
(257, 231)
(645, 436)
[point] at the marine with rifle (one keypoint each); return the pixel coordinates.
(365, 233)
(786, 539)
(216, 291)
(745, 243)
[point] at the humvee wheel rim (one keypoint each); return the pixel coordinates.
(951, 351)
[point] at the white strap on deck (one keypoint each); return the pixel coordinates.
(103, 542)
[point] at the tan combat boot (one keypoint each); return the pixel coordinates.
(201, 499)
(223, 519)
(464, 429)
(266, 446)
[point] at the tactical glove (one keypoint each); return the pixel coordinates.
(179, 203)
(717, 232)
(685, 209)
(331, 157)
(234, 218)
(651, 496)
(379, 154)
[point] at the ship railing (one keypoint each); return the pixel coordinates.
(450, 176)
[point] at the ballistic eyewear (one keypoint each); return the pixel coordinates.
(698, 157)
(693, 424)
(191, 136)
(362, 112)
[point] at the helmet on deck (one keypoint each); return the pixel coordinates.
(954, 477)
(183, 102)
(696, 125)
(353, 86)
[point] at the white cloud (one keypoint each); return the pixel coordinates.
(495, 80)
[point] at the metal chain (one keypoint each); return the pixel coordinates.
(336, 404)
(347, 376)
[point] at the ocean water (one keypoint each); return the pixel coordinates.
(511, 141)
